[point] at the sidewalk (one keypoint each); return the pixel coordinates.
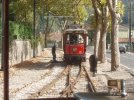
(104, 74)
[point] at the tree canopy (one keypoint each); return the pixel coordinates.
(23, 9)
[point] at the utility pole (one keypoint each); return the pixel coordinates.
(6, 47)
(47, 24)
(2, 37)
(130, 34)
(34, 43)
(43, 18)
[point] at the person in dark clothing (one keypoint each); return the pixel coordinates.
(93, 64)
(54, 52)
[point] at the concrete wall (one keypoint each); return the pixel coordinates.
(21, 50)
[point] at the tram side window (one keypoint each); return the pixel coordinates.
(68, 39)
(80, 37)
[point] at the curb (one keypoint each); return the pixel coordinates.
(130, 70)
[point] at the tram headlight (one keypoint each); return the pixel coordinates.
(74, 49)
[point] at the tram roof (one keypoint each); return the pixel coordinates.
(78, 30)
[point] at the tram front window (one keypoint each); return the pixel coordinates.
(74, 38)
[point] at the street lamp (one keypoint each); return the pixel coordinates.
(130, 24)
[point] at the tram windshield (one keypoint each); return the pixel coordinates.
(74, 39)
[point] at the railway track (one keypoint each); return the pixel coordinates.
(58, 80)
(69, 79)
(67, 82)
(71, 83)
(54, 80)
(48, 86)
(27, 88)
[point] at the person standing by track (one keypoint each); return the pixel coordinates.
(54, 52)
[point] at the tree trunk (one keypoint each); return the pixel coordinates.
(102, 43)
(115, 55)
(97, 38)
(47, 24)
(98, 27)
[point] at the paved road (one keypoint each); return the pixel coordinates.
(127, 59)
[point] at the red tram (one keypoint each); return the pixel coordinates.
(75, 41)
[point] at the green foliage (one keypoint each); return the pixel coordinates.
(19, 30)
(103, 2)
(120, 8)
(81, 13)
(58, 7)
(22, 11)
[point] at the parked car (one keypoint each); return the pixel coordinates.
(122, 49)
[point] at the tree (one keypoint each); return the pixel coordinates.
(62, 8)
(102, 24)
(104, 30)
(98, 26)
(115, 17)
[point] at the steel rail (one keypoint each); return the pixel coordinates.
(69, 88)
(47, 87)
(68, 91)
(92, 87)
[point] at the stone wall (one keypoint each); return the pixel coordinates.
(21, 50)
